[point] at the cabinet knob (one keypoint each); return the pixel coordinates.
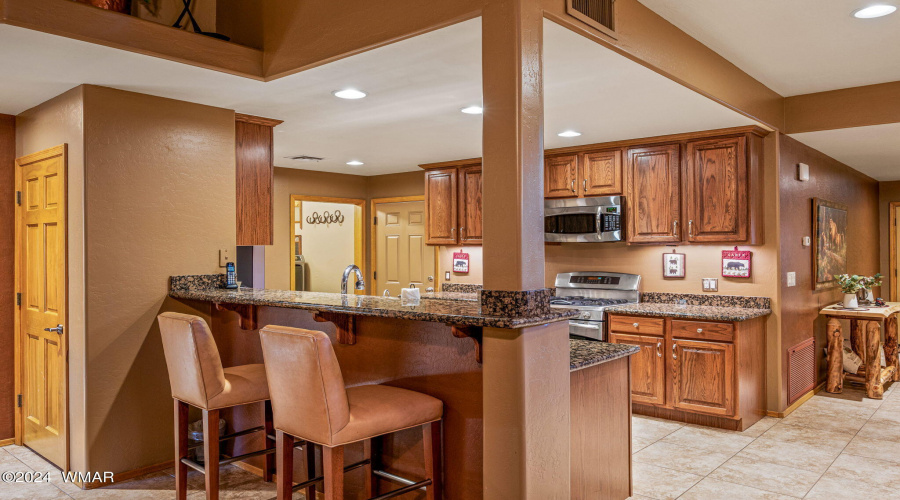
(699, 330)
(636, 325)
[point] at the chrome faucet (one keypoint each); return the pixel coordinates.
(360, 282)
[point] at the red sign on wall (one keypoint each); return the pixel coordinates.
(460, 262)
(736, 263)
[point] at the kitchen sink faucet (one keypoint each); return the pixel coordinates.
(360, 282)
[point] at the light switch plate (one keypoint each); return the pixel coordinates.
(710, 284)
(447, 276)
(792, 279)
(224, 257)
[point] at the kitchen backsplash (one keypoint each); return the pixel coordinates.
(696, 299)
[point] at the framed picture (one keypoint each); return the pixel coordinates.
(830, 247)
(736, 263)
(673, 265)
(460, 262)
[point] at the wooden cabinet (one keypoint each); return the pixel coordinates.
(601, 173)
(453, 208)
(560, 174)
(716, 180)
(653, 213)
(648, 368)
(254, 179)
(701, 372)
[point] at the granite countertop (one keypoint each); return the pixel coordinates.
(713, 313)
(465, 296)
(457, 312)
(585, 353)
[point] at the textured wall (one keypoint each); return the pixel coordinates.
(887, 192)
(7, 281)
(160, 200)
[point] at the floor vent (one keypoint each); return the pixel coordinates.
(801, 369)
(600, 14)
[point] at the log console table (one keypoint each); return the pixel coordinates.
(866, 325)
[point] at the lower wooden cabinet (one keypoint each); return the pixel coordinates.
(701, 372)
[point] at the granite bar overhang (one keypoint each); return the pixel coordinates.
(455, 312)
(587, 353)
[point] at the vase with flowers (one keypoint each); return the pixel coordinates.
(865, 296)
(850, 284)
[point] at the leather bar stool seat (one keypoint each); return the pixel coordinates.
(311, 403)
(198, 379)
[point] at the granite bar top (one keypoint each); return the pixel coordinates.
(457, 312)
(585, 353)
(712, 313)
(465, 296)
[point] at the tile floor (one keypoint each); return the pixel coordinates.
(832, 447)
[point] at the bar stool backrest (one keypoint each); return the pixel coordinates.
(305, 383)
(195, 368)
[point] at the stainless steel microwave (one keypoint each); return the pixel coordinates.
(586, 220)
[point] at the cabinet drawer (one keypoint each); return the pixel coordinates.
(636, 324)
(703, 330)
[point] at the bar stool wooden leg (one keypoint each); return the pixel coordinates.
(369, 478)
(211, 452)
(431, 437)
(284, 449)
(333, 470)
(181, 448)
(310, 469)
(270, 431)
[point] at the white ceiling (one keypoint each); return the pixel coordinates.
(416, 88)
(874, 150)
(794, 46)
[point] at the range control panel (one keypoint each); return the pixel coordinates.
(594, 280)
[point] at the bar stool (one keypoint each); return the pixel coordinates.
(198, 379)
(311, 403)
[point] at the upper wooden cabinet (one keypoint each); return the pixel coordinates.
(601, 173)
(560, 176)
(453, 203)
(255, 179)
(716, 181)
(653, 199)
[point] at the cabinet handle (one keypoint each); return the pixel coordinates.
(462, 232)
(675, 228)
(452, 232)
(673, 351)
(699, 330)
(584, 185)
(573, 185)
(691, 228)
(636, 325)
(658, 352)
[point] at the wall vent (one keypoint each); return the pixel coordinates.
(600, 14)
(304, 158)
(801, 369)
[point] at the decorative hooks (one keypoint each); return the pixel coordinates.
(325, 218)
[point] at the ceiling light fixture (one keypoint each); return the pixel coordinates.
(349, 94)
(569, 133)
(355, 163)
(472, 110)
(873, 11)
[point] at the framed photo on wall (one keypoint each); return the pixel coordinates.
(830, 248)
(673, 265)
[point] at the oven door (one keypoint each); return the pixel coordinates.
(588, 329)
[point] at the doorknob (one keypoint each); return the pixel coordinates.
(58, 329)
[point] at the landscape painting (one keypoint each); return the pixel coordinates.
(830, 249)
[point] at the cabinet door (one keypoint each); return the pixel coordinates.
(716, 190)
(470, 205)
(703, 376)
(648, 367)
(440, 204)
(560, 174)
(601, 173)
(653, 203)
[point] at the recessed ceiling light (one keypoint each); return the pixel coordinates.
(569, 133)
(354, 163)
(349, 94)
(874, 11)
(473, 110)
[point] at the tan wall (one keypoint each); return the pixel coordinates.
(445, 263)
(160, 200)
(7, 281)
(327, 248)
(61, 121)
(887, 192)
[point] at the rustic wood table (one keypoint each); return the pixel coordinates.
(866, 326)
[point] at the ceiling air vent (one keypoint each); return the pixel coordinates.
(600, 14)
(304, 158)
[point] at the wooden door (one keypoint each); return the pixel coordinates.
(560, 176)
(440, 199)
(470, 205)
(716, 190)
(648, 367)
(703, 376)
(653, 203)
(601, 173)
(400, 251)
(41, 279)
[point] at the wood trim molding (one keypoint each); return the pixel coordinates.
(892, 250)
(7, 442)
(797, 404)
(125, 476)
(451, 164)
(843, 108)
(259, 120)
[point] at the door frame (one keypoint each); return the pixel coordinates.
(359, 251)
(61, 150)
(397, 199)
(892, 230)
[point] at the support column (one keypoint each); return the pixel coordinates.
(526, 371)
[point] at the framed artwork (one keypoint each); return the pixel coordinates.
(460, 262)
(736, 263)
(673, 265)
(830, 248)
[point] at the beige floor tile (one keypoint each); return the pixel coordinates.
(835, 487)
(11, 463)
(708, 439)
(711, 489)
(760, 427)
(660, 483)
(881, 429)
(638, 443)
(817, 438)
(850, 395)
(766, 476)
(890, 414)
(830, 416)
(31, 491)
(31, 459)
(233, 483)
(874, 448)
(790, 454)
(681, 458)
(158, 485)
(864, 469)
(653, 429)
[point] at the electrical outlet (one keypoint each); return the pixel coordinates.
(710, 284)
(791, 279)
(224, 257)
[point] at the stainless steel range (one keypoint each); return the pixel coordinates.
(591, 293)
